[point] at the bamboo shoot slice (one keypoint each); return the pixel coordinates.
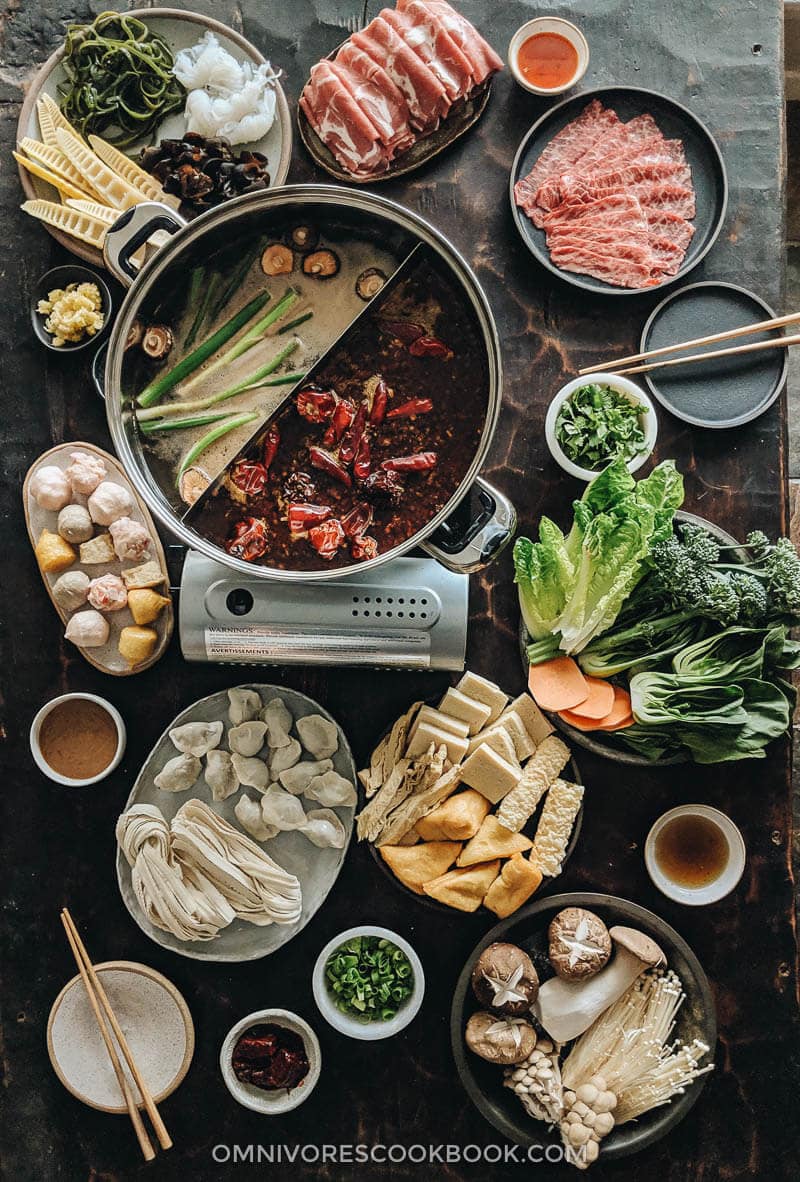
(111, 188)
(51, 118)
(103, 213)
(130, 172)
(58, 182)
(72, 221)
(56, 161)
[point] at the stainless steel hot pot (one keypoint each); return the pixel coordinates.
(477, 521)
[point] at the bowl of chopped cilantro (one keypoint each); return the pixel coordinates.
(596, 419)
(368, 983)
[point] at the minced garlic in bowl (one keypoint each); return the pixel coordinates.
(72, 312)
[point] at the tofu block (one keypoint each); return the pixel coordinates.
(535, 723)
(427, 734)
(484, 691)
(511, 723)
(490, 774)
(470, 710)
(53, 553)
(445, 722)
(149, 574)
(519, 806)
(499, 740)
(98, 551)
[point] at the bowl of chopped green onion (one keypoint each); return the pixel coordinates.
(596, 419)
(368, 983)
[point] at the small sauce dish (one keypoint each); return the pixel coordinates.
(695, 855)
(272, 1101)
(77, 733)
(58, 279)
(548, 55)
(622, 385)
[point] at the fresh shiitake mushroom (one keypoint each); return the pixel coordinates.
(303, 237)
(578, 943)
(322, 264)
(498, 1039)
(157, 341)
(277, 259)
(370, 282)
(505, 980)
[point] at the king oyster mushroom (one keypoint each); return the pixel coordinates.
(505, 980)
(578, 943)
(567, 1008)
(498, 1039)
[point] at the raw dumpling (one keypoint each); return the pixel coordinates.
(279, 722)
(281, 809)
(85, 472)
(324, 829)
(50, 487)
(75, 524)
(244, 705)
(70, 590)
(252, 772)
(296, 779)
(109, 502)
(196, 738)
(248, 814)
(131, 539)
(247, 738)
(87, 629)
(219, 774)
(179, 773)
(283, 758)
(319, 736)
(332, 790)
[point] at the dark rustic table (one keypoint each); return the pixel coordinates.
(724, 61)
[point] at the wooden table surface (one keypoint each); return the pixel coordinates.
(724, 61)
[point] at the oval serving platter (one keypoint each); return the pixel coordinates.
(697, 1018)
(676, 122)
(106, 657)
(180, 30)
(317, 869)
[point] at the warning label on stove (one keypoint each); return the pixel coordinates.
(263, 644)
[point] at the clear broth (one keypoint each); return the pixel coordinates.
(692, 851)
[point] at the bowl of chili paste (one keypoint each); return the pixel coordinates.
(271, 1061)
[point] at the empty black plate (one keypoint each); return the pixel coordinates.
(730, 390)
(676, 122)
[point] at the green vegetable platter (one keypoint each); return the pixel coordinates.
(690, 625)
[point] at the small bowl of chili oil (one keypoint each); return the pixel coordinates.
(271, 1061)
(548, 55)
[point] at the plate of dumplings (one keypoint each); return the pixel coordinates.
(238, 824)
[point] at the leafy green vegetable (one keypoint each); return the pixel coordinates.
(597, 424)
(369, 977)
(545, 571)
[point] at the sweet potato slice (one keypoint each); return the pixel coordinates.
(618, 717)
(600, 701)
(557, 684)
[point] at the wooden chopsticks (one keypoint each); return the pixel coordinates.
(97, 999)
(648, 357)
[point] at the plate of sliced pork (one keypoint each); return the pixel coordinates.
(396, 92)
(619, 190)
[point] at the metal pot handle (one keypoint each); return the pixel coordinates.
(131, 230)
(474, 533)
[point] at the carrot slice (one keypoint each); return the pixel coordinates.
(557, 684)
(618, 717)
(600, 701)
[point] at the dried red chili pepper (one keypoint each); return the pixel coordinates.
(327, 538)
(384, 487)
(272, 441)
(249, 477)
(362, 464)
(315, 405)
(364, 548)
(422, 461)
(430, 347)
(341, 419)
(249, 539)
(380, 397)
(326, 462)
(358, 520)
(352, 437)
(405, 330)
(303, 516)
(414, 406)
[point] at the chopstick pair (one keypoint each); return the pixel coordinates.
(100, 1006)
(631, 364)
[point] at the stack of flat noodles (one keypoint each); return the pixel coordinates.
(194, 879)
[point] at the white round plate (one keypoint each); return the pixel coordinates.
(154, 1018)
(317, 869)
(180, 30)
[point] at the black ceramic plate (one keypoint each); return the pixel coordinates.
(676, 122)
(722, 393)
(528, 928)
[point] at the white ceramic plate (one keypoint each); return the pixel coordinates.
(180, 30)
(317, 869)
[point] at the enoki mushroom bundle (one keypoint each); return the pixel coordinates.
(194, 878)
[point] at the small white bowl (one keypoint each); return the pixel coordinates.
(42, 763)
(712, 892)
(282, 1099)
(352, 1027)
(634, 393)
(549, 24)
